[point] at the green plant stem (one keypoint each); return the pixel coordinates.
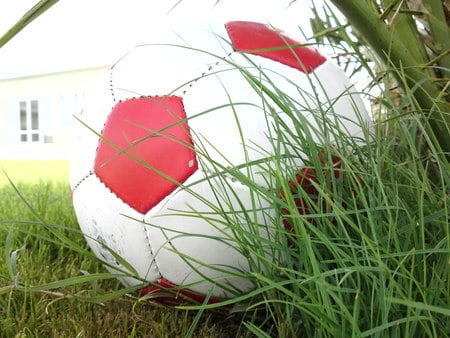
(403, 27)
(393, 50)
(439, 31)
(32, 14)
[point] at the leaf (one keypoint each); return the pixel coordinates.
(29, 16)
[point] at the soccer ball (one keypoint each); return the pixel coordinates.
(168, 142)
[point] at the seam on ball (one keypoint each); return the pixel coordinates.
(82, 179)
(207, 72)
(111, 86)
(151, 251)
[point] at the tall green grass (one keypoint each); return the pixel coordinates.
(371, 259)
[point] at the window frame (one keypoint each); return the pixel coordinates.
(29, 121)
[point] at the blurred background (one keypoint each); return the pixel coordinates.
(46, 69)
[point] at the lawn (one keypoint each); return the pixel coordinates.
(43, 260)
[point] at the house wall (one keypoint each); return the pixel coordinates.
(59, 96)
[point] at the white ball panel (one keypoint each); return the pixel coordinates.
(106, 221)
(179, 241)
(140, 73)
(337, 90)
(244, 119)
(170, 65)
(98, 105)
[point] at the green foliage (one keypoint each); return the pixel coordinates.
(392, 29)
(371, 259)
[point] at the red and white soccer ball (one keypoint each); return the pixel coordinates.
(157, 135)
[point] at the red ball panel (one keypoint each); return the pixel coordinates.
(146, 150)
(304, 180)
(260, 39)
(168, 293)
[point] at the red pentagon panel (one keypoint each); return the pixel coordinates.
(169, 293)
(146, 150)
(260, 39)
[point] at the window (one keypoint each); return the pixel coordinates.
(29, 121)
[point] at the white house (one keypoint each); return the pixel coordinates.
(36, 113)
